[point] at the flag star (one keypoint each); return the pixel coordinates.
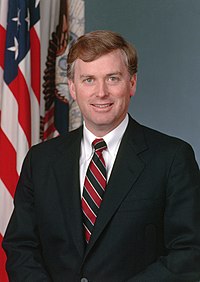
(15, 48)
(17, 19)
(36, 3)
(27, 19)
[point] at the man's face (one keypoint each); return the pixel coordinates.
(102, 89)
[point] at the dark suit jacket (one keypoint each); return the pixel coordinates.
(148, 227)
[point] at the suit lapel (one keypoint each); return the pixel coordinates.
(125, 172)
(66, 170)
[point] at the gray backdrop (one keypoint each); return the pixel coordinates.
(166, 34)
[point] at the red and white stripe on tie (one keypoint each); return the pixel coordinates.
(94, 187)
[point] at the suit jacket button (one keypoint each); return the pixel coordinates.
(84, 280)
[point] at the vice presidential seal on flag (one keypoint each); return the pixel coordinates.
(62, 113)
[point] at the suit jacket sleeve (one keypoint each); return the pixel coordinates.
(182, 224)
(21, 241)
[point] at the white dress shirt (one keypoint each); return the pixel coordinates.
(112, 139)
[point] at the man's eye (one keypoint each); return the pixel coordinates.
(113, 78)
(88, 80)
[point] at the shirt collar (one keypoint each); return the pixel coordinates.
(112, 139)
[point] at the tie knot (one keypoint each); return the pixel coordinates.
(99, 144)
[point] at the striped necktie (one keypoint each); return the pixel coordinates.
(94, 187)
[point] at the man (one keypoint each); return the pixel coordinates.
(145, 226)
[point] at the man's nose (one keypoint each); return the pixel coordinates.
(102, 89)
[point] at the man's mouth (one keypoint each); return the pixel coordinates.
(101, 106)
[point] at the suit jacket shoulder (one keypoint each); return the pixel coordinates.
(159, 144)
(54, 147)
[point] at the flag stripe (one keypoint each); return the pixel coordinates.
(8, 168)
(50, 131)
(35, 118)
(20, 90)
(49, 114)
(6, 211)
(13, 130)
(2, 45)
(3, 275)
(35, 64)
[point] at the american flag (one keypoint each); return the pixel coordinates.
(19, 98)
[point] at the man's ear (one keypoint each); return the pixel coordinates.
(72, 88)
(133, 82)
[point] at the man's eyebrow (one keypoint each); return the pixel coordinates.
(114, 73)
(86, 75)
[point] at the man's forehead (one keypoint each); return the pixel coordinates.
(112, 62)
